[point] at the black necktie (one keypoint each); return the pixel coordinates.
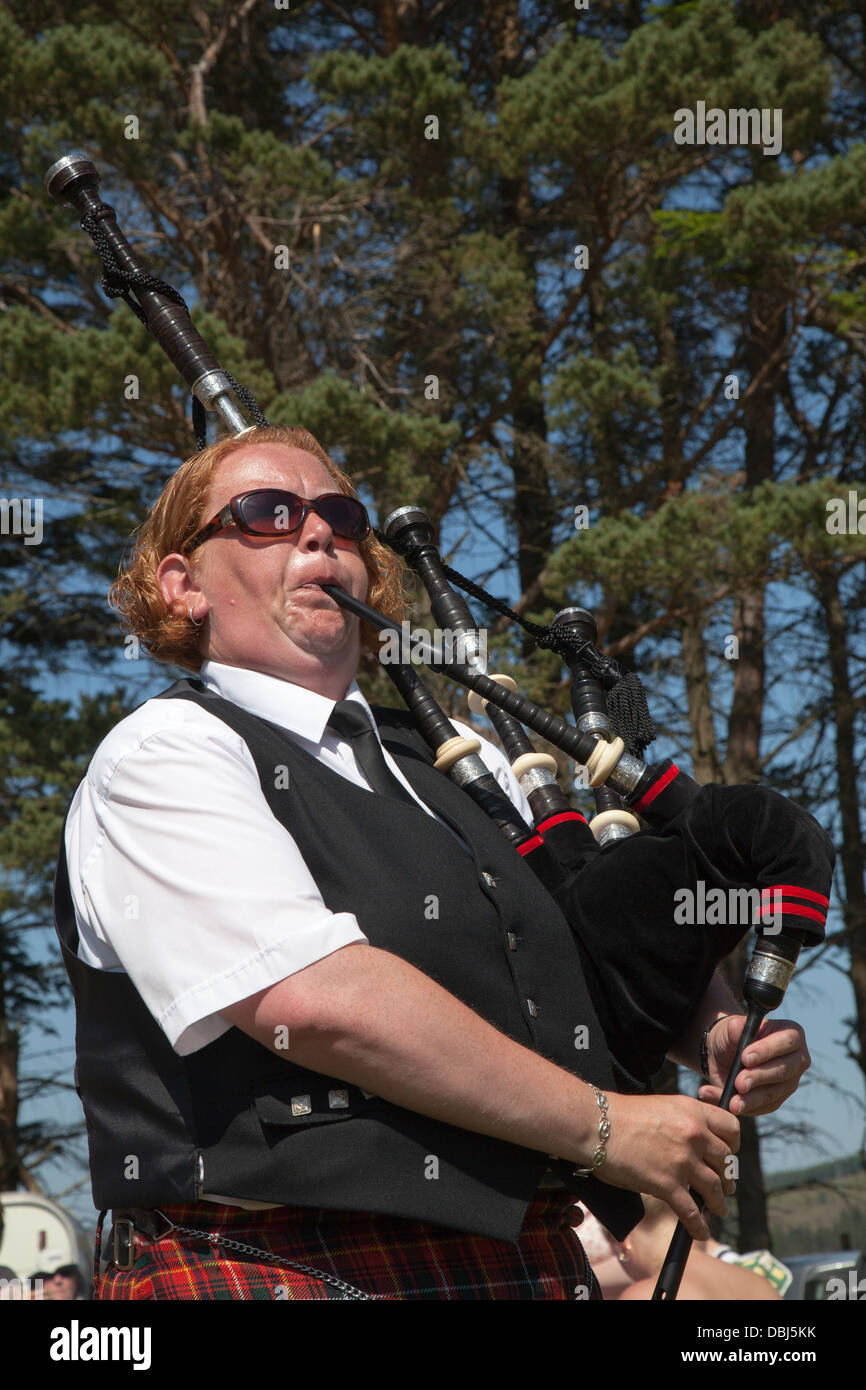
(349, 721)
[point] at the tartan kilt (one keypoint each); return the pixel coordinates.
(383, 1256)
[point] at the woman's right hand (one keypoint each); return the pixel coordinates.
(665, 1145)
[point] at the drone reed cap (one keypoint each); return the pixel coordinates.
(69, 171)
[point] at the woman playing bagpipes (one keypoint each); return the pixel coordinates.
(335, 1039)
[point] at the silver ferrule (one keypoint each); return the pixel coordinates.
(536, 777)
(66, 171)
(613, 832)
(626, 774)
(210, 385)
(770, 970)
(399, 511)
(214, 390)
(468, 769)
(594, 721)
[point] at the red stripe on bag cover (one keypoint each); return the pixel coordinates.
(657, 787)
(798, 893)
(794, 910)
(528, 846)
(558, 820)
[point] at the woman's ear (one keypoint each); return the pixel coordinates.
(182, 595)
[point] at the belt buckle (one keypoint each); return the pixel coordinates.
(124, 1244)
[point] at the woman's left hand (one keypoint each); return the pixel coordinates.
(774, 1063)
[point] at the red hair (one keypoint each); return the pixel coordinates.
(166, 631)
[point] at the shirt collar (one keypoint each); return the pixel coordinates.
(293, 707)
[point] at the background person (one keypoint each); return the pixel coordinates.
(628, 1269)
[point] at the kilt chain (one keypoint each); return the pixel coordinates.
(347, 1289)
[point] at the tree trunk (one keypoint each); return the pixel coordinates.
(533, 501)
(533, 512)
(852, 852)
(765, 335)
(10, 1162)
(705, 757)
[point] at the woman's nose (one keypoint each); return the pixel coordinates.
(315, 531)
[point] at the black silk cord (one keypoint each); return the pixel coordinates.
(118, 283)
(627, 707)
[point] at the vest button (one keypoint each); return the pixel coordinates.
(301, 1105)
(338, 1100)
(512, 941)
(532, 1007)
(488, 879)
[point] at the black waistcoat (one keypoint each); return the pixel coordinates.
(238, 1119)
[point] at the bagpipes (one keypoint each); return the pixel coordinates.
(561, 847)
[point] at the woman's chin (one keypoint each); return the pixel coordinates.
(326, 635)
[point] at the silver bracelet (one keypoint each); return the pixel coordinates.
(704, 1049)
(603, 1134)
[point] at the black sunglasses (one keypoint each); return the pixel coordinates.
(273, 512)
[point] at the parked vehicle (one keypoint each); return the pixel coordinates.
(41, 1236)
(812, 1275)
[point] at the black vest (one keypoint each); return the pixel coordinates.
(238, 1119)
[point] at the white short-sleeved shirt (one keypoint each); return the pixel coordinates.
(180, 874)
